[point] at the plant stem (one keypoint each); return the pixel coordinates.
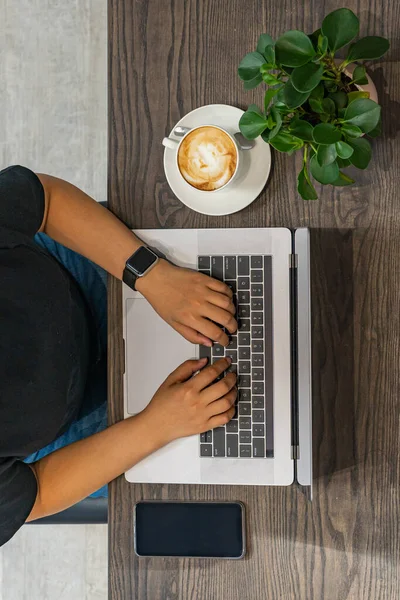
(305, 154)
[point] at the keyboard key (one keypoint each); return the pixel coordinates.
(244, 311)
(244, 324)
(232, 426)
(206, 437)
(244, 352)
(258, 430)
(244, 395)
(245, 437)
(205, 450)
(244, 409)
(218, 350)
(257, 388)
(244, 339)
(244, 284)
(217, 267)
(257, 346)
(232, 446)
(258, 402)
(243, 297)
(244, 366)
(256, 276)
(244, 423)
(243, 381)
(257, 304)
(205, 352)
(232, 368)
(243, 265)
(257, 318)
(257, 289)
(245, 451)
(258, 448)
(203, 262)
(230, 267)
(256, 262)
(258, 417)
(257, 374)
(219, 441)
(204, 272)
(232, 354)
(232, 285)
(257, 332)
(232, 342)
(257, 360)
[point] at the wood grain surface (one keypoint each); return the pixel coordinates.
(165, 59)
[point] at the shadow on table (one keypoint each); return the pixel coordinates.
(333, 350)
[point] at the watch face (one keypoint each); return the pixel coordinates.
(141, 260)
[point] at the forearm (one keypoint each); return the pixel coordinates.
(78, 222)
(76, 471)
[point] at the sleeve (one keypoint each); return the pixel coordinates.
(18, 490)
(22, 201)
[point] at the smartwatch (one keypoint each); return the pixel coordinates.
(140, 263)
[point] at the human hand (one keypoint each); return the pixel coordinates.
(192, 303)
(187, 404)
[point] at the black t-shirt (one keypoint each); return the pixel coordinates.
(44, 345)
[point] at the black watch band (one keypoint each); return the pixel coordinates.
(129, 277)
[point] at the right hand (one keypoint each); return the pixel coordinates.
(186, 405)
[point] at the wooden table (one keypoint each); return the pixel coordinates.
(167, 58)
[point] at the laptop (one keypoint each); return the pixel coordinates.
(269, 440)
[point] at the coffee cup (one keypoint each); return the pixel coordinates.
(207, 156)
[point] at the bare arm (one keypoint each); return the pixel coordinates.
(183, 405)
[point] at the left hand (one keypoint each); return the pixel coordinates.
(192, 303)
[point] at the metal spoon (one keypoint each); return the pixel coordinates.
(244, 144)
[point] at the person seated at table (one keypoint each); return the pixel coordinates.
(56, 245)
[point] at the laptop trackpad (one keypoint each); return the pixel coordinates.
(153, 351)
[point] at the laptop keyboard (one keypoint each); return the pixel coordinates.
(250, 433)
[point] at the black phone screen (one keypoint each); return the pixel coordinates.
(203, 529)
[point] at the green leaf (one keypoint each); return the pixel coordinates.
(252, 124)
(275, 114)
(376, 131)
(307, 77)
(269, 54)
(263, 41)
(326, 154)
(269, 94)
(362, 153)
(364, 113)
(368, 48)
(294, 49)
(340, 27)
(270, 79)
(339, 98)
(344, 150)
(326, 133)
(314, 37)
(253, 83)
(343, 162)
(326, 174)
(343, 180)
(302, 129)
(316, 105)
(285, 142)
(359, 76)
(254, 108)
(322, 44)
(292, 97)
(356, 95)
(329, 106)
(305, 187)
(250, 65)
(331, 86)
(352, 131)
(318, 92)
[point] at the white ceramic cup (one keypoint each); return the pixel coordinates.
(175, 145)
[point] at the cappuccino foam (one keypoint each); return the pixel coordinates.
(207, 158)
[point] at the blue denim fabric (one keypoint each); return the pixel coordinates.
(92, 281)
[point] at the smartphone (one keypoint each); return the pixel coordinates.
(190, 529)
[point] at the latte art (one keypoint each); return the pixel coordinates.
(207, 158)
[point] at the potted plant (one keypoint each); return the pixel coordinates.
(315, 102)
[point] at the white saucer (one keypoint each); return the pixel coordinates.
(254, 167)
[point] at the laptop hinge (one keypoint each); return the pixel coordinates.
(293, 261)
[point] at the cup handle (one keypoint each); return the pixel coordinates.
(168, 143)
